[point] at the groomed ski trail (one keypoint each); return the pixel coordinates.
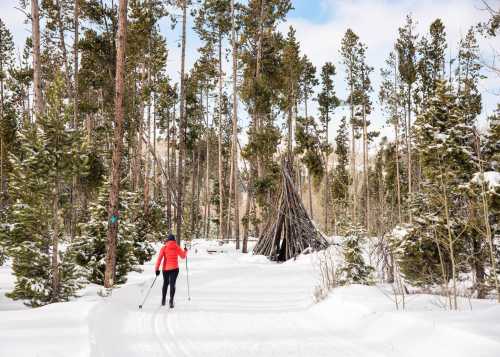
(237, 309)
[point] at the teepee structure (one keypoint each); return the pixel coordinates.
(290, 230)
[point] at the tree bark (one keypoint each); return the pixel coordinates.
(182, 128)
(37, 67)
(109, 274)
(220, 234)
(396, 132)
(236, 176)
(365, 169)
(76, 16)
(408, 150)
(62, 43)
(207, 175)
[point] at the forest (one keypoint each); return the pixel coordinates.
(103, 154)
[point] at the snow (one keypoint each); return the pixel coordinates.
(491, 178)
(244, 305)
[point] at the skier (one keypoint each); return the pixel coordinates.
(170, 268)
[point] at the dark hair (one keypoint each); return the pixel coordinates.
(170, 237)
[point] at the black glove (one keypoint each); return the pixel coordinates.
(185, 248)
(157, 272)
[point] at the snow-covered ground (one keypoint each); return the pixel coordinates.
(243, 305)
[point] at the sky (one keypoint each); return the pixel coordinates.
(320, 26)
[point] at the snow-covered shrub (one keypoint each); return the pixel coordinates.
(89, 248)
(354, 270)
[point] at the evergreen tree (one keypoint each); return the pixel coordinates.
(327, 101)
(341, 178)
(445, 146)
(354, 269)
(8, 120)
(406, 54)
(49, 155)
(133, 241)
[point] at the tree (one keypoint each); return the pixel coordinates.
(308, 81)
(37, 68)
(445, 146)
(389, 97)
(348, 51)
(50, 153)
(327, 101)
(109, 276)
(406, 50)
(182, 128)
(213, 24)
(354, 269)
(234, 142)
(341, 179)
(7, 117)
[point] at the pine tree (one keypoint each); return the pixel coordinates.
(349, 52)
(50, 153)
(308, 81)
(327, 101)
(7, 111)
(341, 178)
(354, 269)
(445, 146)
(406, 50)
(133, 241)
(117, 146)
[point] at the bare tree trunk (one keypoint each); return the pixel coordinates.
(246, 224)
(451, 242)
(408, 149)
(109, 274)
(207, 175)
(236, 176)
(62, 44)
(396, 130)
(169, 180)
(258, 115)
(76, 20)
(353, 153)
(3, 180)
(195, 159)
(182, 128)
(37, 68)
(220, 234)
(229, 199)
(365, 170)
(55, 242)
(326, 196)
(486, 215)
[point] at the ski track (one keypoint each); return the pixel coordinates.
(237, 309)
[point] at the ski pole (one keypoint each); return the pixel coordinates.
(187, 275)
(147, 294)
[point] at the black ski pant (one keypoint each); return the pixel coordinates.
(169, 278)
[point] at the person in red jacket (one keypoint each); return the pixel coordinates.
(170, 268)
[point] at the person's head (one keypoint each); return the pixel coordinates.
(171, 238)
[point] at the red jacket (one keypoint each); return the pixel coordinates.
(169, 253)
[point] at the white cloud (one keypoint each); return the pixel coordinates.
(376, 22)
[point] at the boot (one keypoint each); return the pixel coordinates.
(163, 301)
(171, 302)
